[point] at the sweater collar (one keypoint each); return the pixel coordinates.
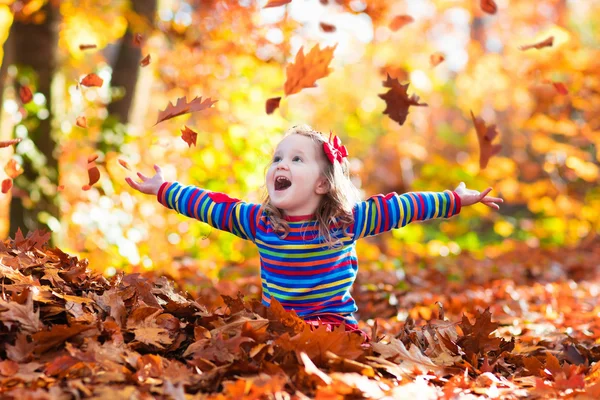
(297, 218)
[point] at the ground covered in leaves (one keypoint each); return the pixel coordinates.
(522, 325)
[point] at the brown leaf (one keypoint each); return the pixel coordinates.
(92, 157)
(6, 143)
(436, 59)
(81, 121)
(8, 367)
(272, 104)
(548, 42)
(22, 314)
(93, 175)
(410, 360)
(25, 94)
(399, 21)
(145, 61)
(183, 107)
(276, 3)
(306, 70)
(87, 46)
(485, 136)
(57, 335)
(91, 80)
(189, 136)
(489, 6)
(124, 164)
(397, 100)
(138, 40)
(12, 168)
(22, 350)
(328, 28)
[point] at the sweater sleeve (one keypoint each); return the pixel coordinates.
(381, 213)
(216, 209)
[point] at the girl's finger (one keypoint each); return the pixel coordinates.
(157, 169)
(142, 176)
(494, 199)
(132, 183)
(485, 192)
(492, 205)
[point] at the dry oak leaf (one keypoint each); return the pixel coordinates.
(93, 176)
(8, 367)
(189, 136)
(409, 360)
(124, 164)
(436, 59)
(548, 42)
(489, 6)
(399, 21)
(138, 39)
(22, 350)
(25, 94)
(22, 314)
(81, 121)
(57, 335)
(485, 136)
(92, 80)
(306, 70)
(397, 100)
(328, 28)
(145, 61)
(276, 3)
(560, 88)
(272, 104)
(13, 169)
(6, 143)
(87, 46)
(183, 107)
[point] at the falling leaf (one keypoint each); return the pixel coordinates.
(489, 6)
(189, 136)
(138, 39)
(81, 121)
(272, 104)
(93, 175)
(92, 80)
(6, 143)
(12, 168)
(60, 188)
(397, 100)
(306, 70)
(399, 21)
(124, 164)
(436, 59)
(183, 107)
(87, 46)
(485, 136)
(276, 3)
(327, 27)
(548, 42)
(92, 158)
(25, 94)
(145, 61)
(560, 88)
(6, 185)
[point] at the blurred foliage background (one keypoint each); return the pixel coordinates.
(236, 52)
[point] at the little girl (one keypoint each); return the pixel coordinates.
(308, 224)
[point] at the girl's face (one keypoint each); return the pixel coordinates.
(295, 181)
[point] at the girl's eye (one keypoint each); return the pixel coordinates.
(297, 158)
(276, 159)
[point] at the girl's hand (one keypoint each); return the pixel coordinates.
(469, 197)
(148, 185)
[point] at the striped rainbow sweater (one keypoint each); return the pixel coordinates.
(300, 271)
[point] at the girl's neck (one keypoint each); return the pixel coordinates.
(296, 218)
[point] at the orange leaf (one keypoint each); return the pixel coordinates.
(25, 94)
(81, 121)
(306, 70)
(272, 104)
(485, 136)
(87, 46)
(436, 59)
(183, 107)
(92, 158)
(327, 27)
(548, 42)
(91, 80)
(60, 188)
(399, 21)
(13, 169)
(124, 164)
(6, 185)
(189, 136)
(93, 175)
(138, 39)
(276, 3)
(6, 143)
(397, 100)
(560, 88)
(145, 61)
(489, 6)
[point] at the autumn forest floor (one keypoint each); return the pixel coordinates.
(522, 325)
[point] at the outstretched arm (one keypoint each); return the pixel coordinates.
(216, 209)
(469, 197)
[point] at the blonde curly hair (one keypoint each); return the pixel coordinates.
(335, 209)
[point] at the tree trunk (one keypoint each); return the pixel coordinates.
(127, 64)
(33, 46)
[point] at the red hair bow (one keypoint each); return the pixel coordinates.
(334, 149)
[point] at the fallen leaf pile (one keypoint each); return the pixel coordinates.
(67, 332)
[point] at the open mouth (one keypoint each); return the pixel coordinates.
(282, 183)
